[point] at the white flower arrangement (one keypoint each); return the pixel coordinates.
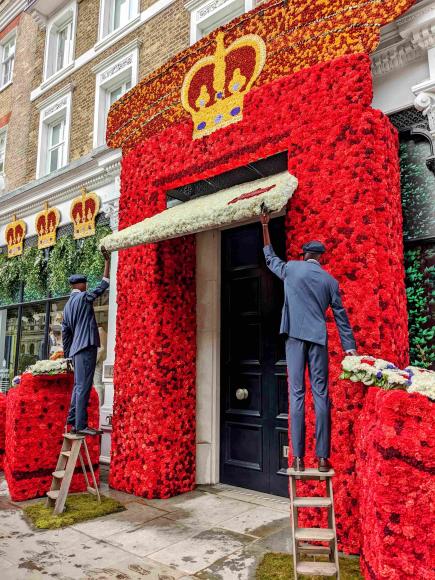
(372, 371)
(234, 205)
(49, 367)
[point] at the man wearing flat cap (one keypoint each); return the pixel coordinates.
(81, 340)
(308, 292)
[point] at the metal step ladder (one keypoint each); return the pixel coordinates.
(66, 464)
(302, 536)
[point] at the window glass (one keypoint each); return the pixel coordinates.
(9, 348)
(63, 46)
(2, 150)
(55, 146)
(120, 13)
(32, 335)
(8, 55)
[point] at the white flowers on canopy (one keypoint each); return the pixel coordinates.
(49, 367)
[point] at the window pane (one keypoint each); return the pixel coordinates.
(32, 336)
(115, 95)
(61, 45)
(55, 136)
(54, 160)
(10, 344)
(120, 13)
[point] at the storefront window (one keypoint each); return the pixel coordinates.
(10, 345)
(32, 335)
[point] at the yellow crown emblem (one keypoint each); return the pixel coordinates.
(46, 224)
(14, 234)
(214, 88)
(84, 210)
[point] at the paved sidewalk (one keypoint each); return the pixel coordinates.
(214, 532)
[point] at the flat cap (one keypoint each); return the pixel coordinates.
(77, 279)
(314, 246)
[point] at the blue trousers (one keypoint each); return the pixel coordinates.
(84, 368)
(299, 353)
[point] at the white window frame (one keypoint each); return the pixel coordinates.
(56, 108)
(66, 16)
(12, 37)
(106, 26)
(3, 131)
(206, 15)
(109, 75)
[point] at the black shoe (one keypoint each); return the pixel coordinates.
(298, 464)
(89, 431)
(324, 464)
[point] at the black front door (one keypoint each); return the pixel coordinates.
(254, 399)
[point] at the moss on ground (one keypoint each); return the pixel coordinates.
(78, 508)
(276, 566)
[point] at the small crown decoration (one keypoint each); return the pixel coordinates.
(46, 224)
(14, 234)
(84, 210)
(214, 88)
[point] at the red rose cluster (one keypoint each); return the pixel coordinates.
(35, 419)
(2, 429)
(344, 155)
(396, 467)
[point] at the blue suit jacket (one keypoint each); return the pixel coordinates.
(79, 326)
(308, 292)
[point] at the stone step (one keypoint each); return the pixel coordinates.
(312, 501)
(317, 568)
(53, 493)
(315, 534)
(59, 474)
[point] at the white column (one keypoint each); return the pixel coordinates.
(110, 209)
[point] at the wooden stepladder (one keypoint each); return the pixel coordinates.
(69, 454)
(302, 536)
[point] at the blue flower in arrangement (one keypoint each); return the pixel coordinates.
(379, 375)
(391, 366)
(218, 119)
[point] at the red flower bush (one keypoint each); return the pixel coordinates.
(395, 466)
(36, 414)
(344, 155)
(2, 428)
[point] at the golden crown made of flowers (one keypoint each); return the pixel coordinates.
(14, 234)
(214, 88)
(84, 210)
(46, 223)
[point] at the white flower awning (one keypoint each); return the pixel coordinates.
(237, 204)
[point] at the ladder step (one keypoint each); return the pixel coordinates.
(316, 534)
(316, 568)
(310, 473)
(59, 474)
(72, 436)
(92, 490)
(65, 453)
(313, 549)
(53, 493)
(312, 502)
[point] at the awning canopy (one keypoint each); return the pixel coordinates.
(230, 206)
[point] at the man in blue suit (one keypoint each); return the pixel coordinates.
(308, 292)
(80, 343)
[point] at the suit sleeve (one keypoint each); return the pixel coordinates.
(342, 320)
(67, 337)
(275, 264)
(92, 295)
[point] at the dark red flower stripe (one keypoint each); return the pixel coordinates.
(2, 429)
(36, 413)
(395, 461)
(344, 155)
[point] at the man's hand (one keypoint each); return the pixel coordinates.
(265, 215)
(105, 253)
(351, 352)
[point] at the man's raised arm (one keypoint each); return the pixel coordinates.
(92, 295)
(275, 264)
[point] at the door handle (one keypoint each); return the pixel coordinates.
(242, 394)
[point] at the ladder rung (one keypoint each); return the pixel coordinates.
(316, 568)
(313, 549)
(310, 473)
(59, 474)
(92, 490)
(73, 436)
(312, 502)
(316, 534)
(53, 493)
(65, 453)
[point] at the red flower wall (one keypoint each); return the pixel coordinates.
(2, 429)
(396, 467)
(36, 413)
(344, 155)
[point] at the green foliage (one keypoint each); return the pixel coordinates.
(33, 274)
(90, 260)
(420, 290)
(78, 508)
(9, 279)
(278, 566)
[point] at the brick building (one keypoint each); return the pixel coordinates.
(63, 63)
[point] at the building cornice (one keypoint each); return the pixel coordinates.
(11, 11)
(99, 168)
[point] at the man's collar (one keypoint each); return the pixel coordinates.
(75, 290)
(314, 261)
